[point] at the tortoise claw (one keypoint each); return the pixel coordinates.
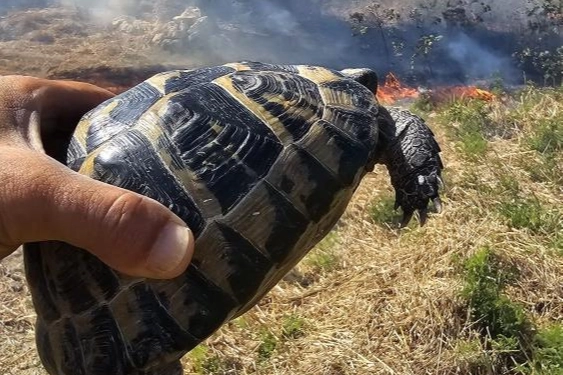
(441, 184)
(422, 216)
(407, 216)
(437, 204)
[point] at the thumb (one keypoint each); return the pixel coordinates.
(131, 233)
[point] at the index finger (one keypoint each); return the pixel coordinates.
(63, 103)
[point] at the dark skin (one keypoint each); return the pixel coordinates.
(41, 199)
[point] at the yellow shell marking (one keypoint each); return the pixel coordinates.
(317, 74)
(81, 132)
(266, 117)
(159, 81)
(147, 126)
(87, 167)
(238, 66)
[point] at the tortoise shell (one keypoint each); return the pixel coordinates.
(259, 160)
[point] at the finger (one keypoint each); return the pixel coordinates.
(6, 250)
(42, 113)
(52, 97)
(63, 103)
(131, 233)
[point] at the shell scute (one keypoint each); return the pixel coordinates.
(154, 331)
(336, 151)
(305, 182)
(229, 259)
(196, 303)
(171, 82)
(106, 122)
(269, 219)
(126, 160)
(100, 337)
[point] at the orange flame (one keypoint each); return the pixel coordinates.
(394, 90)
(445, 94)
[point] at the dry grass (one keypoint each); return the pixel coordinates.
(369, 300)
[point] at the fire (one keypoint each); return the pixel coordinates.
(447, 94)
(393, 90)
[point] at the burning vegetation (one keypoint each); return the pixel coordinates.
(393, 91)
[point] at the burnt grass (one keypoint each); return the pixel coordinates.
(476, 291)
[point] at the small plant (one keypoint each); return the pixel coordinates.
(324, 256)
(468, 119)
(383, 212)
(198, 356)
(473, 357)
(548, 352)
(422, 105)
(508, 183)
(547, 139)
(424, 47)
(204, 363)
(504, 327)
(532, 215)
(485, 279)
(546, 62)
(293, 327)
(546, 169)
(557, 243)
(268, 345)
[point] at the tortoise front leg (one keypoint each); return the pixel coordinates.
(412, 156)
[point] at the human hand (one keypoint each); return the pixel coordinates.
(41, 199)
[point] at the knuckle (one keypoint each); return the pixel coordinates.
(123, 209)
(126, 235)
(133, 223)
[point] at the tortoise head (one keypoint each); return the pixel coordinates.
(366, 77)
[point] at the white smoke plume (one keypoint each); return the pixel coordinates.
(476, 38)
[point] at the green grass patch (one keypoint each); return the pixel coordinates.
(547, 137)
(509, 341)
(557, 243)
(529, 213)
(466, 120)
(548, 351)
(293, 327)
(205, 363)
(422, 105)
(268, 344)
(324, 257)
(502, 324)
(382, 211)
(491, 310)
(547, 169)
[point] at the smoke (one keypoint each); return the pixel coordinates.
(429, 44)
(476, 60)
(102, 10)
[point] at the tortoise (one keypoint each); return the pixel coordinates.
(260, 160)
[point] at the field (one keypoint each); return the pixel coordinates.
(477, 290)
